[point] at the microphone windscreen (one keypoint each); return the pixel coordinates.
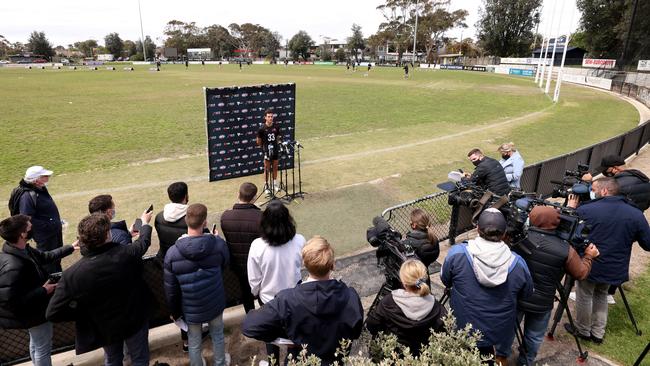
(580, 189)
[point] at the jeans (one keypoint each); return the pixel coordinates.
(195, 338)
(535, 325)
(40, 344)
(591, 308)
(138, 346)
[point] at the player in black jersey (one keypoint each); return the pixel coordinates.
(269, 138)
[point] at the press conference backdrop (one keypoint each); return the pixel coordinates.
(234, 115)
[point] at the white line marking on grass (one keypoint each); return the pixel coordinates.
(310, 162)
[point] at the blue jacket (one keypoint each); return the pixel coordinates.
(193, 277)
(514, 168)
(121, 233)
(317, 313)
(492, 310)
(615, 225)
(45, 218)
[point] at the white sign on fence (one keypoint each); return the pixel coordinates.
(644, 65)
(523, 60)
(601, 83)
(599, 63)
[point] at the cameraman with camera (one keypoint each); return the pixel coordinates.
(633, 184)
(489, 173)
(615, 225)
(548, 257)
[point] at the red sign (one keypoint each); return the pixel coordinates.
(599, 63)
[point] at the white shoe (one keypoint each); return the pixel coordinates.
(610, 300)
(263, 363)
(572, 296)
(227, 359)
(267, 191)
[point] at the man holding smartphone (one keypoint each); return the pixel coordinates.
(25, 287)
(269, 138)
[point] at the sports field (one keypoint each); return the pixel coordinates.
(370, 141)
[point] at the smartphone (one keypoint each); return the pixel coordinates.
(214, 227)
(54, 278)
(137, 225)
(150, 208)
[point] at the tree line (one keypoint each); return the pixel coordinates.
(505, 28)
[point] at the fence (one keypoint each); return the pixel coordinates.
(14, 347)
(535, 178)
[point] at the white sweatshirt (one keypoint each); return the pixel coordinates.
(272, 269)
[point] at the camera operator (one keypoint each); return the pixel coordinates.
(615, 225)
(486, 281)
(633, 184)
(489, 174)
(548, 257)
(512, 163)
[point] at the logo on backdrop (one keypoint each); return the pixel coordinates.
(234, 115)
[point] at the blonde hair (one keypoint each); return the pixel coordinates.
(421, 221)
(414, 276)
(318, 256)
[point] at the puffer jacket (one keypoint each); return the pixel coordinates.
(427, 252)
(193, 277)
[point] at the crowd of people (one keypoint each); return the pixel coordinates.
(491, 285)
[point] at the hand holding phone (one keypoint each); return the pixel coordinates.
(214, 230)
(137, 226)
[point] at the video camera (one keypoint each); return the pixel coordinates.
(571, 183)
(391, 253)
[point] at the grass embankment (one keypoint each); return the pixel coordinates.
(94, 128)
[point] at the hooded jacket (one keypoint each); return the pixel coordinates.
(193, 278)
(635, 186)
(409, 316)
(486, 281)
(170, 225)
(316, 313)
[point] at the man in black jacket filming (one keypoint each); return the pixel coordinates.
(489, 173)
(25, 288)
(632, 183)
(548, 258)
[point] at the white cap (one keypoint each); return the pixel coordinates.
(35, 172)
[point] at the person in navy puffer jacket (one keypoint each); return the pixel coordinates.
(193, 283)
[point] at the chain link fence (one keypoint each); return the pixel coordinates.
(451, 222)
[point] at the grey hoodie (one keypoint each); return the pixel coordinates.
(414, 306)
(490, 261)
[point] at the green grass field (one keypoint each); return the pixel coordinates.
(370, 141)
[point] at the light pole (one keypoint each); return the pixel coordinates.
(144, 48)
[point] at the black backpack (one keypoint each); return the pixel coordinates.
(14, 199)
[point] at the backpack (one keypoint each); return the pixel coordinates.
(14, 199)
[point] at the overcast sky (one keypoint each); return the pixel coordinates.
(67, 21)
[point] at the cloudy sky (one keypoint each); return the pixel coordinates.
(68, 21)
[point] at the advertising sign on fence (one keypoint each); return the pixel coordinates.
(601, 83)
(451, 67)
(644, 65)
(522, 72)
(598, 63)
(523, 60)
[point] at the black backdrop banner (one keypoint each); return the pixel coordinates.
(234, 115)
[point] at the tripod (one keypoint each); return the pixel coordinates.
(642, 355)
(564, 290)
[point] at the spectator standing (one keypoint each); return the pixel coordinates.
(409, 313)
(615, 225)
(240, 226)
(274, 259)
(548, 257)
(32, 198)
(25, 288)
(318, 312)
(104, 293)
(194, 286)
(104, 204)
(512, 163)
(486, 281)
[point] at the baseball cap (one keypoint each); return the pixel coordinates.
(33, 172)
(492, 219)
(609, 161)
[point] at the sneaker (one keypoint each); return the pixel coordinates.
(596, 340)
(571, 330)
(227, 359)
(610, 301)
(572, 296)
(263, 363)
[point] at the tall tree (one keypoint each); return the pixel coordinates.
(505, 27)
(150, 47)
(220, 41)
(130, 48)
(356, 41)
(86, 47)
(39, 45)
(114, 44)
(299, 45)
(434, 22)
(397, 26)
(255, 39)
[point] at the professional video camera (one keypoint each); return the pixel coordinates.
(572, 183)
(391, 253)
